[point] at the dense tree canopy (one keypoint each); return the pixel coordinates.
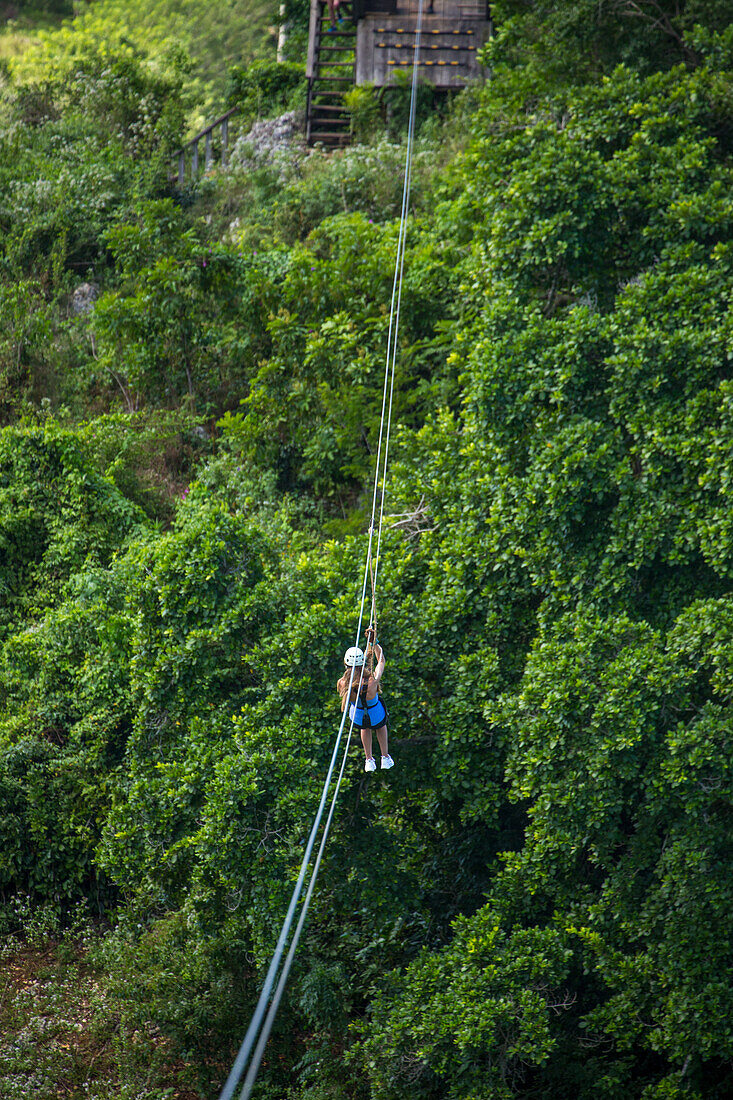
(536, 901)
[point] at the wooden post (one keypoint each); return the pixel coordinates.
(195, 159)
(224, 141)
(207, 154)
(182, 168)
(314, 34)
(308, 111)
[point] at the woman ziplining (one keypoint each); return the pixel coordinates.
(366, 708)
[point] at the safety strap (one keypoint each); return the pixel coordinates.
(372, 619)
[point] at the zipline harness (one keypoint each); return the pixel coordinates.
(374, 709)
(253, 1045)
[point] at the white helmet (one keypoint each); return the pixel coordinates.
(354, 657)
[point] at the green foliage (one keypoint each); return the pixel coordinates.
(78, 149)
(215, 37)
(57, 7)
(265, 88)
(597, 192)
(48, 809)
(91, 1048)
(171, 329)
(317, 390)
(64, 671)
(361, 103)
(571, 41)
(162, 982)
(150, 458)
(280, 202)
(395, 100)
(58, 190)
(22, 22)
(56, 515)
(478, 1014)
(566, 484)
(24, 335)
(536, 901)
(73, 152)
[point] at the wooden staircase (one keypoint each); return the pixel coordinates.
(331, 67)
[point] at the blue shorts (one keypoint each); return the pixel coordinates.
(372, 716)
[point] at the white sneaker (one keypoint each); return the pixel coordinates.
(371, 765)
(387, 762)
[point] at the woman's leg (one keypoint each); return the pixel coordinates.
(366, 740)
(332, 6)
(382, 738)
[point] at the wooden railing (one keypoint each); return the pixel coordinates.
(191, 148)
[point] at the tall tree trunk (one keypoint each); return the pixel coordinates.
(282, 35)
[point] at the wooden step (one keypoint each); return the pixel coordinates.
(327, 136)
(328, 126)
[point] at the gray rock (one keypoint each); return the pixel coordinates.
(83, 298)
(270, 138)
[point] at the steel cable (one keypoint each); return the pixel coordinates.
(262, 1019)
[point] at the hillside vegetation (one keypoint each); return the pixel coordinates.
(213, 37)
(536, 901)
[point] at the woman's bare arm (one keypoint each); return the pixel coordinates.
(378, 671)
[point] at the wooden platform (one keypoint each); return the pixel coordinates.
(448, 50)
(452, 34)
(375, 41)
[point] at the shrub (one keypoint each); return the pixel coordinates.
(265, 87)
(363, 106)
